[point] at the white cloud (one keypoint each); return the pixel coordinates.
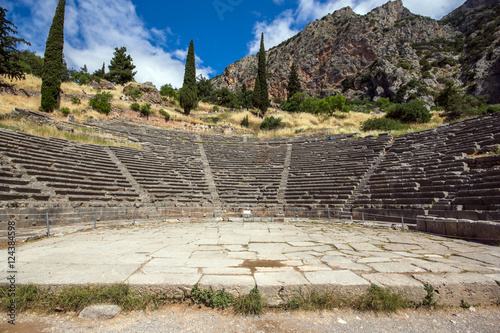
(310, 10)
(93, 28)
(274, 33)
(364, 7)
(278, 2)
(432, 8)
(290, 22)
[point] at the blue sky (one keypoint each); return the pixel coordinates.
(157, 33)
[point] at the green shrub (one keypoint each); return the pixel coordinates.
(101, 102)
(294, 102)
(251, 304)
(378, 299)
(429, 300)
(133, 93)
(314, 300)
(165, 114)
(146, 110)
(411, 112)
(458, 105)
(211, 298)
(65, 111)
(76, 298)
(135, 106)
(168, 91)
(214, 120)
(426, 75)
(216, 108)
(382, 124)
(271, 123)
(336, 103)
(75, 100)
(404, 65)
(464, 304)
(426, 66)
(383, 103)
(245, 122)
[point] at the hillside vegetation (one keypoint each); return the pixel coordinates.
(207, 117)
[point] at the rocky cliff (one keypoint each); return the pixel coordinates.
(388, 52)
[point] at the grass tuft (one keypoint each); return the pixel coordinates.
(315, 300)
(382, 300)
(429, 300)
(251, 304)
(375, 299)
(76, 298)
(210, 298)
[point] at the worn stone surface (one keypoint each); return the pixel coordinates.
(175, 256)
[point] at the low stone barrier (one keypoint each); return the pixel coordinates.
(484, 231)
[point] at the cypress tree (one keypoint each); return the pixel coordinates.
(53, 61)
(293, 82)
(188, 93)
(260, 93)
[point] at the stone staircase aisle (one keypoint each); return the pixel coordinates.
(346, 213)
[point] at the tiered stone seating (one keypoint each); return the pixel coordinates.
(324, 174)
(69, 171)
(428, 171)
(246, 175)
(13, 186)
(216, 138)
(171, 174)
(142, 133)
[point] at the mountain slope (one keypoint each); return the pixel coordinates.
(388, 52)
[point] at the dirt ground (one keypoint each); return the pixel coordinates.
(183, 318)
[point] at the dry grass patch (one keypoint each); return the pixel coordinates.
(339, 123)
(31, 83)
(79, 134)
(10, 102)
(236, 117)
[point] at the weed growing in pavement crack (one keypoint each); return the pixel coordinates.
(251, 304)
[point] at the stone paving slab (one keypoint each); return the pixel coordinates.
(280, 258)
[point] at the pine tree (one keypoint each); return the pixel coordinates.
(260, 93)
(121, 68)
(188, 93)
(53, 61)
(9, 54)
(293, 82)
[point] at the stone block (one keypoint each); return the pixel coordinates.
(452, 288)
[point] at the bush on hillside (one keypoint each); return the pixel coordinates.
(411, 112)
(76, 100)
(146, 110)
(101, 102)
(271, 123)
(294, 102)
(245, 122)
(165, 114)
(135, 106)
(65, 111)
(133, 93)
(382, 124)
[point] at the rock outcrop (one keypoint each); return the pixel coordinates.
(149, 91)
(388, 52)
(102, 84)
